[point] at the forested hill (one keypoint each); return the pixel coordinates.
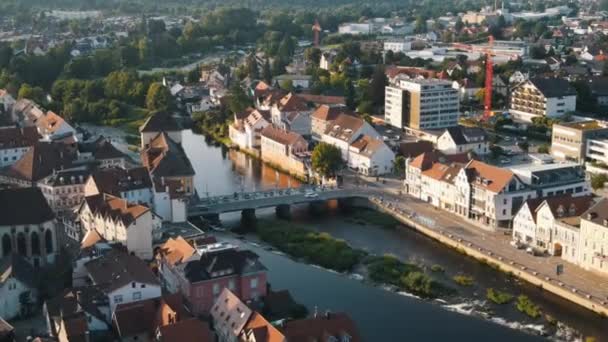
(428, 7)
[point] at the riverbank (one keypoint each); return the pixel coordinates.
(498, 262)
(423, 281)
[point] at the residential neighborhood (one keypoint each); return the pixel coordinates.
(307, 172)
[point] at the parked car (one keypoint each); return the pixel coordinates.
(517, 244)
(311, 195)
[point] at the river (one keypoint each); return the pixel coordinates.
(381, 314)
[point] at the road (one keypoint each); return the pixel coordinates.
(574, 277)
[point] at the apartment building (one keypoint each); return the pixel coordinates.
(569, 140)
(552, 224)
(323, 116)
(15, 142)
(292, 113)
(245, 132)
(549, 178)
(285, 149)
(421, 104)
(542, 97)
(398, 45)
(202, 275)
(64, 189)
(114, 219)
(593, 254)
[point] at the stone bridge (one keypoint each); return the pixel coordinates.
(281, 199)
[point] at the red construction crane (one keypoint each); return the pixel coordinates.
(316, 29)
(489, 80)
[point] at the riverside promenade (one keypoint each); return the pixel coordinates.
(577, 285)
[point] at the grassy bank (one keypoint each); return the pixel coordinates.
(372, 217)
(317, 248)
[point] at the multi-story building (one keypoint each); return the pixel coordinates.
(370, 156)
(285, 149)
(344, 130)
(548, 178)
(459, 139)
(237, 322)
(549, 224)
(15, 142)
(102, 152)
(38, 162)
(569, 140)
(64, 189)
(398, 45)
(421, 104)
(246, 132)
(122, 278)
(490, 195)
(115, 219)
(157, 123)
(18, 282)
(593, 245)
(172, 176)
(134, 185)
(201, 277)
(27, 226)
(542, 97)
(323, 116)
(292, 113)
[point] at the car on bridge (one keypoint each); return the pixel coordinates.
(311, 195)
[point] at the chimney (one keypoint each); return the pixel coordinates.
(87, 337)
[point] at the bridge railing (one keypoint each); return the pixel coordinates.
(273, 193)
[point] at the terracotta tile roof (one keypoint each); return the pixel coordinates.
(274, 96)
(496, 178)
(115, 180)
(437, 171)
(281, 136)
(176, 251)
(77, 299)
(320, 328)
(115, 208)
(323, 99)
(451, 173)
(49, 123)
(329, 113)
(367, 145)
(262, 330)
(116, 269)
(261, 89)
(13, 137)
(424, 161)
(163, 157)
(292, 103)
(91, 238)
(24, 206)
(344, 127)
(40, 161)
(160, 122)
(393, 71)
(189, 330)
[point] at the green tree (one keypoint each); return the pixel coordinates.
(158, 98)
(313, 56)
(252, 67)
(420, 26)
(35, 94)
(399, 165)
(523, 146)
(598, 181)
(459, 25)
(266, 73)
(238, 100)
(349, 94)
(544, 148)
(327, 159)
(377, 86)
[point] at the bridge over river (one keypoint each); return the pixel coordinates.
(281, 199)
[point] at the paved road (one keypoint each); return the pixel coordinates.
(583, 281)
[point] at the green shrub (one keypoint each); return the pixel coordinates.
(498, 297)
(463, 280)
(420, 284)
(525, 305)
(437, 268)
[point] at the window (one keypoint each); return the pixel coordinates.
(216, 289)
(136, 295)
(253, 283)
(231, 284)
(133, 284)
(118, 299)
